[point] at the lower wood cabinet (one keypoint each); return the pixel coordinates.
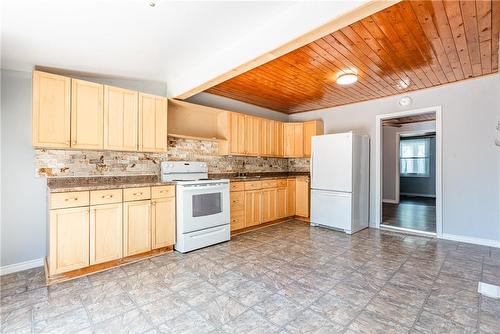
(88, 228)
(69, 239)
(268, 205)
(291, 191)
(136, 227)
(281, 202)
(302, 197)
(257, 202)
(163, 222)
(106, 230)
(253, 207)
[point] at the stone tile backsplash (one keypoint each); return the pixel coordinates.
(64, 163)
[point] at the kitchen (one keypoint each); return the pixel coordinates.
(243, 200)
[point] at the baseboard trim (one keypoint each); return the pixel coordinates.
(391, 201)
(471, 240)
(15, 267)
(418, 195)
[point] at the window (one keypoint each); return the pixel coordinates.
(414, 156)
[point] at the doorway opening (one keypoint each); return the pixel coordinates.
(409, 171)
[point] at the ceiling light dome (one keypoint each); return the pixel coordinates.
(347, 78)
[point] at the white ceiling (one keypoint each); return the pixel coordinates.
(128, 38)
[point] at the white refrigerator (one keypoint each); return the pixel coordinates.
(340, 181)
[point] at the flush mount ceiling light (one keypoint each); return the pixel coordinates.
(346, 77)
(405, 101)
(403, 83)
(152, 3)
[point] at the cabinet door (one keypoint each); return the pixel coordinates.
(253, 207)
(302, 197)
(136, 227)
(298, 138)
(69, 239)
(163, 222)
(311, 128)
(51, 110)
(237, 145)
(120, 119)
(252, 135)
(279, 139)
(87, 115)
(288, 139)
(106, 232)
(281, 203)
(268, 205)
(290, 208)
(152, 123)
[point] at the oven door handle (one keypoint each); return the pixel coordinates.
(207, 186)
(201, 235)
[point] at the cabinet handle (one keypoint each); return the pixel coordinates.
(74, 142)
(153, 203)
(162, 191)
(136, 194)
(107, 196)
(71, 199)
(67, 143)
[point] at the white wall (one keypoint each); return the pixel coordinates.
(471, 161)
(390, 161)
(23, 196)
(221, 102)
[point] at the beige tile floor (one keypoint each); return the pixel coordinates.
(287, 278)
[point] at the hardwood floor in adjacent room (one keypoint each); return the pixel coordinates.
(416, 213)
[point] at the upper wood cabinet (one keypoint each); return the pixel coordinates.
(311, 128)
(51, 110)
(293, 137)
(253, 127)
(237, 134)
(87, 114)
(152, 123)
(120, 119)
(278, 144)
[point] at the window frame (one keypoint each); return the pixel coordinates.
(426, 158)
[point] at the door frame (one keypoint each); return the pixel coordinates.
(378, 163)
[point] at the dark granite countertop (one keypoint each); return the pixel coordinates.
(233, 177)
(65, 184)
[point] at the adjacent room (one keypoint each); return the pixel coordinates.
(409, 170)
(250, 166)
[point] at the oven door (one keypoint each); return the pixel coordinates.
(203, 206)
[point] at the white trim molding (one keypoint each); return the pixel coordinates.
(439, 155)
(471, 240)
(15, 267)
(391, 201)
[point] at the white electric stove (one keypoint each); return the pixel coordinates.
(202, 205)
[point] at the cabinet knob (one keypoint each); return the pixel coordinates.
(136, 194)
(107, 196)
(71, 199)
(74, 142)
(67, 143)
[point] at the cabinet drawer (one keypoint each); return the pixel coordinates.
(269, 183)
(237, 221)
(237, 201)
(69, 200)
(105, 196)
(136, 194)
(253, 185)
(162, 191)
(237, 186)
(282, 183)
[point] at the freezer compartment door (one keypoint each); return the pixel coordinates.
(331, 161)
(331, 209)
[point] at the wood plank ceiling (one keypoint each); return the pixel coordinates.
(398, 122)
(408, 46)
